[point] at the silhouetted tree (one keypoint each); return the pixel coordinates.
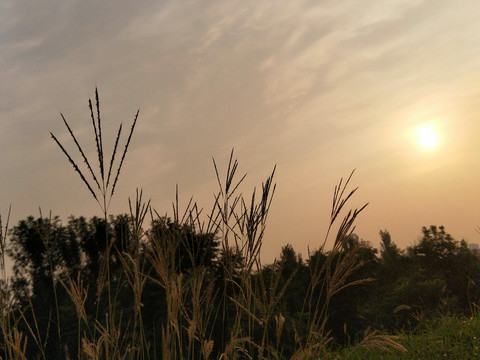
(45, 251)
(192, 249)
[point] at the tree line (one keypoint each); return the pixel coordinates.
(61, 277)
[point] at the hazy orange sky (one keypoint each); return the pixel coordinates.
(316, 87)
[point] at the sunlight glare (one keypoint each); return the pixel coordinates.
(427, 136)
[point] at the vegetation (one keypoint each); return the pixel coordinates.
(192, 286)
(445, 337)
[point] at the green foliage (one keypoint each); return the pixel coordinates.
(436, 275)
(445, 337)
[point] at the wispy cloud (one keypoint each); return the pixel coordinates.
(309, 85)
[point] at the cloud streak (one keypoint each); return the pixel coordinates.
(317, 87)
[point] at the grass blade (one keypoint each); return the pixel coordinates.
(113, 154)
(124, 153)
(95, 130)
(80, 150)
(75, 167)
(100, 141)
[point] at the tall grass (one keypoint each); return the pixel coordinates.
(14, 342)
(101, 185)
(233, 315)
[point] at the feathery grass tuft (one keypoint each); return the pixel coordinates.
(105, 193)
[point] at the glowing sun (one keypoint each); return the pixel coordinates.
(427, 136)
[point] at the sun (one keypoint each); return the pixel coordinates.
(427, 136)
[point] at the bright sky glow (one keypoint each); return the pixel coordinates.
(317, 88)
(427, 136)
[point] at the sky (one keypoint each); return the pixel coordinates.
(317, 88)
